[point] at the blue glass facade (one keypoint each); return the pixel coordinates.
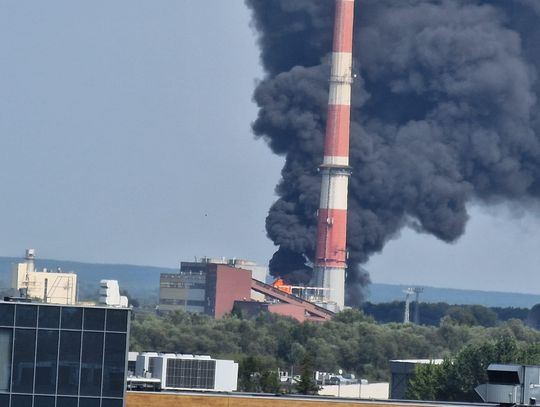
(62, 356)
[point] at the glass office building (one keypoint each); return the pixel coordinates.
(62, 356)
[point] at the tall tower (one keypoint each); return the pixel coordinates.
(331, 253)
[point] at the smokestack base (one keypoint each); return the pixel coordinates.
(332, 280)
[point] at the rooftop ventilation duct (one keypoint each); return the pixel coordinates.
(511, 384)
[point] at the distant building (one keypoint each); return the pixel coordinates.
(109, 294)
(45, 286)
(62, 356)
(258, 272)
(204, 287)
(217, 286)
(185, 372)
(251, 309)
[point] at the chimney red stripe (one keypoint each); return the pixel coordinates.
(336, 142)
(331, 242)
(343, 28)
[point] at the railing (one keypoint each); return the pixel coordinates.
(283, 296)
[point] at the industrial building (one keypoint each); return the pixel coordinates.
(184, 372)
(62, 356)
(188, 289)
(204, 287)
(300, 311)
(45, 286)
(215, 288)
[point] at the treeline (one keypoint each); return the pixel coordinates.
(432, 313)
(457, 377)
(352, 341)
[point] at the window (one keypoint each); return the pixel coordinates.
(21, 401)
(66, 402)
(43, 401)
(6, 337)
(117, 320)
(71, 318)
(26, 315)
(169, 301)
(47, 353)
(49, 317)
(111, 403)
(92, 360)
(23, 361)
(196, 303)
(94, 319)
(114, 366)
(69, 362)
(6, 314)
(88, 402)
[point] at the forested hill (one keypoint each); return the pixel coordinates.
(143, 281)
(382, 293)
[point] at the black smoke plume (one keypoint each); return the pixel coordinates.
(444, 112)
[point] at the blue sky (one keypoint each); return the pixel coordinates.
(125, 137)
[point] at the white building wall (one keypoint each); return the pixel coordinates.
(226, 378)
(61, 288)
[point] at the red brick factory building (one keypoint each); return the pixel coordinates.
(214, 287)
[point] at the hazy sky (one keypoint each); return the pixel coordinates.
(125, 137)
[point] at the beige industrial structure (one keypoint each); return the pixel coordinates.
(45, 286)
(377, 391)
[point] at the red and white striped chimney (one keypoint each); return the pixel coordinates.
(331, 253)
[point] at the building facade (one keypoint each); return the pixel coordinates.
(185, 291)
(45, 286)
(62, 356)
(203, 287)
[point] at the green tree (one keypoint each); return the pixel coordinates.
(351, 341)
(307, 383)
(426, 382)
(269, 382)
(461, 316)
(484, 316)
(257, 374)
(456, 380)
